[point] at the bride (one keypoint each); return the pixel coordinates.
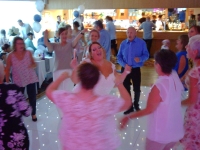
(107, 70)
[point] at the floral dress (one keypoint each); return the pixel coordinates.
(13, 134)
(191, 139)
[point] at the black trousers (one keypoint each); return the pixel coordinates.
(135, 77)
(114, 46)
(148, 43)
(31, 91)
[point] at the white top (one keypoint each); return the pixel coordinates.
(164, 47)
(25, 29)
(165, 124)
(158, 24)
(104, 85)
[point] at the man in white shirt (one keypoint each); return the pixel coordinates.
(25, 29)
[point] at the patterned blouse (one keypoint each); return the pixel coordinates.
(13, 134)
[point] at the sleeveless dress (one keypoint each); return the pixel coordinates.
(21, 73)
(104, 85)
(88, 125)
(179, 55)
(191, 139)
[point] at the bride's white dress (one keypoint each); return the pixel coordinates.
(104, 85)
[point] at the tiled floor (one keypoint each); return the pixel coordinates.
(43, 133)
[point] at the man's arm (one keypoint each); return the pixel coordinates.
(145, 53)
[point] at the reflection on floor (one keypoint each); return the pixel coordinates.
(43, 133)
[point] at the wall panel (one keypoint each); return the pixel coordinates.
(125, 4)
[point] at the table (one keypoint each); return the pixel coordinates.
(43, 68)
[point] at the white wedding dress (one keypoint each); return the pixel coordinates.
(104, 85)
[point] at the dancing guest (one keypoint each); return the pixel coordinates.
(88, 121)
(23, 66)
(110, 27)
(107, 71)
(13, 106)
(132, 54)
(104, 39)
(93, 37)
(181, 66)
(192, 115)
(194, 30)
(63, 55)
(165, 121)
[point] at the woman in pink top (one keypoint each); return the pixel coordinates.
(88, 120)
(23, 73)
(165, 121)
(191, 139)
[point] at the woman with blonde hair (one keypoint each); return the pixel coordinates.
(107, 70)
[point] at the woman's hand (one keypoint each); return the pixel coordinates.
(74, 63)
(124, 121)
(32, 66)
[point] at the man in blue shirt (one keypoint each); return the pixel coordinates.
(147, 27)
(132, 54)
(28, 41)
(104, 39)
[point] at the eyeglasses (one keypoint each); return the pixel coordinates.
(20, 43)
(96, 48)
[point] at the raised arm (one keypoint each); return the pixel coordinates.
(49, 45)
(78, 37)
(54, 85)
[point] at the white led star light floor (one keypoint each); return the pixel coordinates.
(43, 134)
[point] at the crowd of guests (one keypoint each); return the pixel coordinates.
(81, 89)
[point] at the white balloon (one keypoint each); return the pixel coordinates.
(36, 27)
(81, 9)
(39, 5)
(38, 53)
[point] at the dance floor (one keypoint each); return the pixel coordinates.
(43, 134)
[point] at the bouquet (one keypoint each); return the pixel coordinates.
(13, 31)
(62, 25)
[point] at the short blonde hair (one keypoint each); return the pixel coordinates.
(194, 43)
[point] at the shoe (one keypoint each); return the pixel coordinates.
(34, 118)
(131, 109)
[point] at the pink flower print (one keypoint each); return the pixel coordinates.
(17, 136)
(10, 145)
(10, 100)
(12, 92)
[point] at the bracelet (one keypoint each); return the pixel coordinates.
(82, 33)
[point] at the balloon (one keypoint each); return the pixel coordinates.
(76, 13)
(39, 5)
(38, 53)
(36, 27)
(37, 18)
(81, 9)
